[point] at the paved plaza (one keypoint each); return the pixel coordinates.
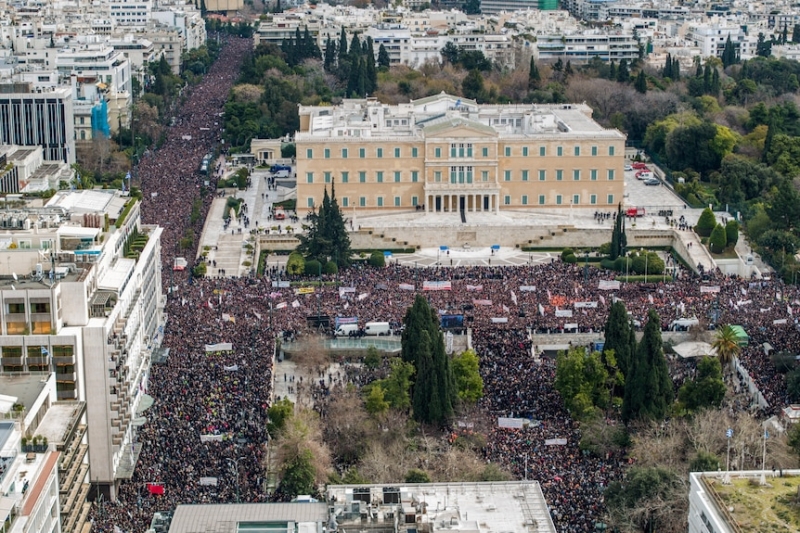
(229, 254)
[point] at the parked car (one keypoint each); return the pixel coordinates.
(652, 181)
(639, 165)
(644, 175)
(628, 168)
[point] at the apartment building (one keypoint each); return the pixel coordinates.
(29, 492)
(42, 118)
(583, 46)
(24, 169)
(80, 296)
(446, 153)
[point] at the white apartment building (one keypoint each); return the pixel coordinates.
(99, 62)
(129, 12)
(167, 41)
(29, 491)
(86, 303)
(710, 38)
(43, 118)
(25, 170)
(395, 38)
(188, 22)
(583, 46)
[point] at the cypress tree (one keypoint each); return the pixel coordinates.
(768, 140)
(383, 57)
(617, 335)
(716, 85)
(707, 79)
(372, 72)
(784, 34)
(342, 48)
(667, 72)
(422, 344)
(623, 74)
(612, 70)
(533, 76)
(330, 54)
(676, 69)
(355, 49)
(648, 388)
(641, 82)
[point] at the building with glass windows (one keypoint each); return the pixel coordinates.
(448, 154)
(81, 298)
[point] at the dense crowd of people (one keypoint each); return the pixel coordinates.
(205, 435)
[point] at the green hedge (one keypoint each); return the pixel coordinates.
(644, 279)
(127, 209)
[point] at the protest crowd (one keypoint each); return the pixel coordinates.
(204, 438)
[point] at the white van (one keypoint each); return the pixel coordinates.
(683, 324)
(377, 328)
(345, 330)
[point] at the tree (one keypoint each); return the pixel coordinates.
(784, 208)
(296, 264)
(327, 238)
(330, 55)
(377, 259)
(298, 476)
(623, 74)
(373, 358)
(706, 223)
(472, 86)
(278, 413)
(641, 82)
(796, 33)
(732, 232)
(763, 47)
(375, 402)
(619, 242)
(793, 385)
(472, 7)
(718, 239)
(417, 476)
(618, 335)
(582, 381)
(707, 389)
(397, 385)
(704, 462)
(648, 388)
(469, 383)
(729, 53)
(534, 77)
(422, 345)
(383, 58)
(642, 500)
(726, 346)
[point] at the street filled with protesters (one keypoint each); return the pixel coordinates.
(204, 439)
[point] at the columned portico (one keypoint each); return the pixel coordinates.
(445, 200)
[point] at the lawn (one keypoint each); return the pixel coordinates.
(769, 509)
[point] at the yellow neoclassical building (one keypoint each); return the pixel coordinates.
(444, 153)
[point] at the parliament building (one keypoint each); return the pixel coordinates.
(447, 154)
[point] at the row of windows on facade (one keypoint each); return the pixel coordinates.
(19, 307)
(39, 351)
(459, 150)
(380, 201)
(460, 175)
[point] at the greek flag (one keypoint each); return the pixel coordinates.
(766, 434)
(729, 433)
(45, 352)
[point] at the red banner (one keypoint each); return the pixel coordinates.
(152, 488)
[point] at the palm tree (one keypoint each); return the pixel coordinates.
(726, 345)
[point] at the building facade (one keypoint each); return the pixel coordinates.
(80, 296)
(42, 118)
(446, 154)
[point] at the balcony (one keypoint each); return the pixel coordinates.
(65, 376)
(38, 361)
(67, 395)
(11, 361)
(64, 361)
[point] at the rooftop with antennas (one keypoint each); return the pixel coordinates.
(488, 507)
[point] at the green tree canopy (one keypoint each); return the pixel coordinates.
(707, 389)
(327, 238)
(718, 240)
(648, 388)
(278, 413)
(469, 383)
(582, 380)
(298, 476)
(618, 335)
(706, 223)
(422, 345)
